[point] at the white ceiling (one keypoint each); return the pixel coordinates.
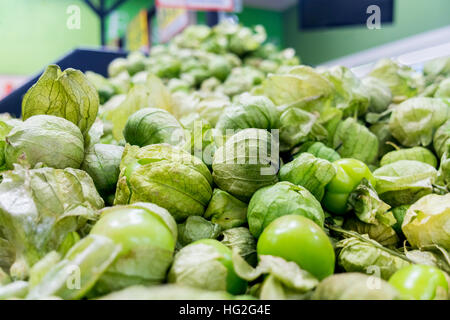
(278, 5)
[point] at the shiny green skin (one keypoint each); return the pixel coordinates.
(235, 285)
(418, 282)
(416, 153)
(349, 174)
(298, 239)
(132, 227)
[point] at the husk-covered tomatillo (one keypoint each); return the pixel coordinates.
(53, 141)
(167, 176)
(151, 126)
(206, 264)
(247, 161)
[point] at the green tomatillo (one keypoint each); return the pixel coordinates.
(349, 174)
(420, 282)
(147, 234)
(206, 264)
(299, 239)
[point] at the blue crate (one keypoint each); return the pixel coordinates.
(84, 59)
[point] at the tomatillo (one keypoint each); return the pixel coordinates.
(299, 239)
(147, 234)
(206, 264)
(419, 282)
(349, 174)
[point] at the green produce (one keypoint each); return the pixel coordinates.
(384, 136)
(299, 83)
(117, 66)
(444, 169)
(358, 255)
(319, 150)
(197, 228)
(353, 140)
(309, 172)
(102, 162)
(414, 122)
(166, 292)
(420, 282)
(54, 202)
(206, 264)
(415, 153)
(74, 275)
(441, 139)
(135, 62)
(381, 233)
(104, 88)
(443, 91)
(242, 241)
(351, 95)
(380, 95)
(225, 210)
(49, 140)
(404, 181)
(16, 289)
(230, 171)
(399, 215)
(437, 67)
(368, 207)
(5, 128)
(150, 94)
(248, 161)
(211, 107)
(427, 221)
(298, 239)
(282, 279)
(145, 256)
(166, 176)
(67, 94)
(152, 126)
(283, 198)
(298, 126)
(354, 286)
(403, 81)
(249, 112)
(241, 80)
(349, 173)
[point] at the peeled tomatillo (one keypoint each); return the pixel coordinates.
(349, 174)
(419, 282)
(298, 239)
(147, 234)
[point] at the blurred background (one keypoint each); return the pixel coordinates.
(355, 33)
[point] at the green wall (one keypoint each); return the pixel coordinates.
(33, 33)
(410, 17)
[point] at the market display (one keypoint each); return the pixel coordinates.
(219, 167)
